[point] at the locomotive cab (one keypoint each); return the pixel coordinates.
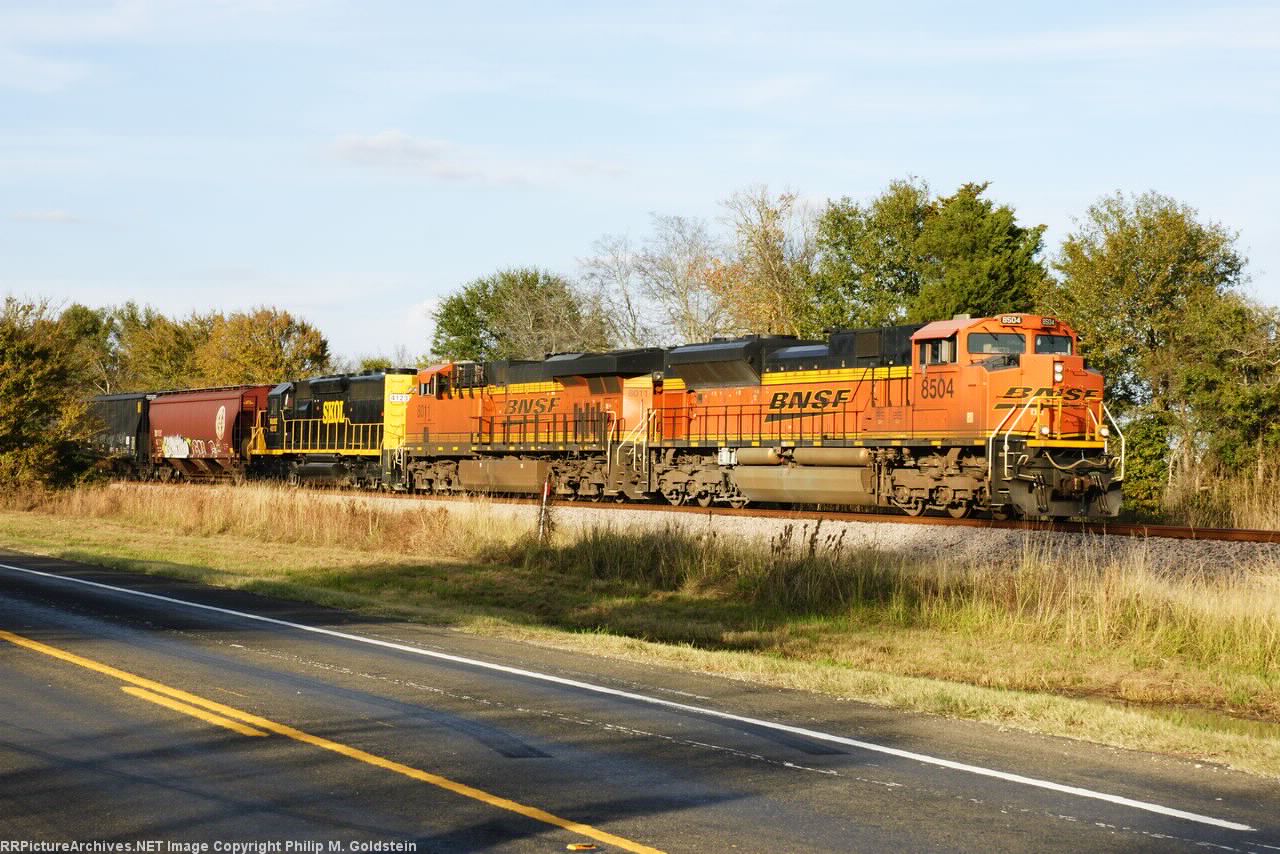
(1052, 448)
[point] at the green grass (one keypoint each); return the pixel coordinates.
(1069, 643)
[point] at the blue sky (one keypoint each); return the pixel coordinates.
(354, 161)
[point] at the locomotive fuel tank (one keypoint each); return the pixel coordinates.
(807, 484)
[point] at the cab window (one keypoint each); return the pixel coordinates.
(991, 343)
(437, 386)
(941, 351)
(1058, 345)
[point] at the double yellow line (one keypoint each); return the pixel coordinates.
(252, 725)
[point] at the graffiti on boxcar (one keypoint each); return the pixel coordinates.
(176, 447)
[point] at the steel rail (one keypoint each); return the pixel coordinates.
(808, 514)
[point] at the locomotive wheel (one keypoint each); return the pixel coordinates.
(675, 497)
(959, 511)
(739, 502)
(704, 499)
(915, 508)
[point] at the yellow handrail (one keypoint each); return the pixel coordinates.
(315, 434)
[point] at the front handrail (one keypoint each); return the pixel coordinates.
(1007, 433)
(1106, 443)
(1119, 433)
(991, 447)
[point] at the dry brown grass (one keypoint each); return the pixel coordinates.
(276, 514)
(1047, 622)
(1220, 498)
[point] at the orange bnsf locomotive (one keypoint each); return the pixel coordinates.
(994, 414)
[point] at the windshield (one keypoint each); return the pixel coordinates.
(986, 343)
(1058, 345)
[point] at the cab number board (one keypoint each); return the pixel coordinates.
(933, 388)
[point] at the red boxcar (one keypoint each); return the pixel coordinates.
(202, 433)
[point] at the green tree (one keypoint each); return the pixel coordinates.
(1226, 395)
(265, 345)
(905, 256)
(1133, 273)
(519, 313)
(41, 407)
(869, 266)
(1150, 289)
(463, 327)
(157, 352)
(977, 259)
(95, 332)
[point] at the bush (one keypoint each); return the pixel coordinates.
(42, 414)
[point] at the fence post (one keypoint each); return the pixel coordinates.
(542, 511)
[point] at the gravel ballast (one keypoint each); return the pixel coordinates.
(962, 545)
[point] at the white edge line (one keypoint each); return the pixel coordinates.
(699, 710)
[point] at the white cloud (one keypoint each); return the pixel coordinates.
(58, 217)
(20, 70)
(64, 23)
(777, 90)
(27, 35)
(779, 30)
(397, 151)
(71, 23)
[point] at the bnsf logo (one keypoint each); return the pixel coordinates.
(823, 399)
(526, 406)
(1067, 394)
(332, 413)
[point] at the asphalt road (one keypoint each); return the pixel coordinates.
(138, 720)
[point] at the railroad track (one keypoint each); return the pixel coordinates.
(1114, 529)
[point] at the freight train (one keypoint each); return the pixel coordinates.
(995, 414)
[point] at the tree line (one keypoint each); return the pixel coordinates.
(1192, 364)
(133, 348)
(51, 362)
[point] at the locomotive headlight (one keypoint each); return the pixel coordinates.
(1104, 432)
(1057, 372)
(1044, 431)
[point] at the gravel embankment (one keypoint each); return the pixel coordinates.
(955, 544)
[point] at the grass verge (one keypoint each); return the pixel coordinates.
(1079, 644)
